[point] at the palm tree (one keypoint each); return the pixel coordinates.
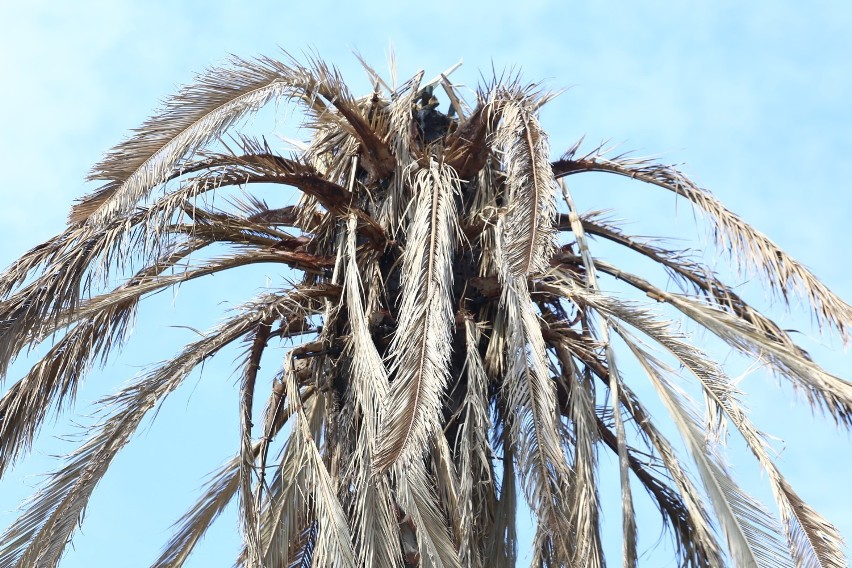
(453, 336)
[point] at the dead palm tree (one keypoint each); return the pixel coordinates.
(459, 336)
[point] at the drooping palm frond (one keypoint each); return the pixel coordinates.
(40, 534)
(202, 111)
(530, 190)
(752, 534)
(628, 516)
(473, 464)
(372, 510)
(749, 247)
(462, 345)
(421, 356)
(224, 484)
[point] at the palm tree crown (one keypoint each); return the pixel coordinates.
(455, 336)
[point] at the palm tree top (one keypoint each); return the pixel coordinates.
(454, 339)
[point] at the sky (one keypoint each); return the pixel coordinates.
(751, 98)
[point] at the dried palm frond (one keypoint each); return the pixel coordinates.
(474, 461)
(40, 534)
(748, 246)
(421, 355)
(628, 522)
(371, 506)
(530, 187)
(752, 533)
(463, 343)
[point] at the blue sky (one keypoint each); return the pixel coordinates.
(753, 99)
